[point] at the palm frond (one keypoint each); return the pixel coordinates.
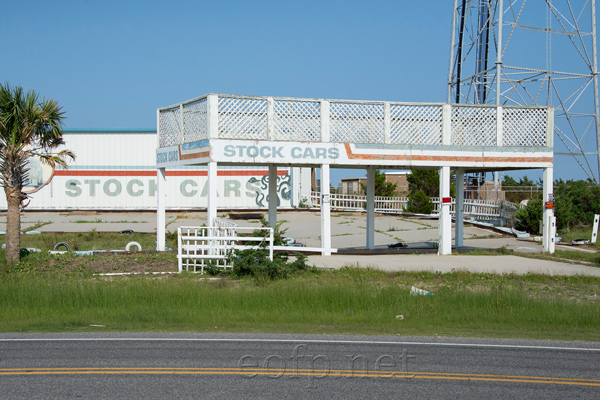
(59, 158)
(28, 127)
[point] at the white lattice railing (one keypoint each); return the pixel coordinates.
(199, 246)
(302, 120)
(224, 224)
(478, 209)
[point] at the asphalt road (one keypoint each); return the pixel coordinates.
(182, 366)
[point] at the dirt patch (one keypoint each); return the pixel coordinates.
(101, 263)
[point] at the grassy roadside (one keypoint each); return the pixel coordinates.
(46, 293)
(575, 256)
(348, 301)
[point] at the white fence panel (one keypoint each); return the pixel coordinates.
(477, 209)
(199, 246)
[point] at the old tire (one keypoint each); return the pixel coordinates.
(62, 244)
(131, 244)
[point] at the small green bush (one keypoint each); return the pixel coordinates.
(419, 203)
(529, 217)
(256, 264)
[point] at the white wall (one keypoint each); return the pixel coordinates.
(117, 171)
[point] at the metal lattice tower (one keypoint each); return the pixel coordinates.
(532, 52)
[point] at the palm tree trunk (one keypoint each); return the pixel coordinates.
(13, 224)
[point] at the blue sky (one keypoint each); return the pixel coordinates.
(111, 64)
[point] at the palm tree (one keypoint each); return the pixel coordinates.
(28, 128)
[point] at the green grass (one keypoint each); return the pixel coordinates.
(578, 233)
(559, 255)
(38, 224)
(62, 293)
(565, 255)
(348, 301)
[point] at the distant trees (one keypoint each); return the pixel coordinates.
(576, 202)
(529, 217)
(516, 192)
(382, 187)
(422, 185)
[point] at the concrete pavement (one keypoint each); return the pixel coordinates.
(348, 231)
(501, 264)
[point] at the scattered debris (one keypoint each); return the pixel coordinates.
(126, 232)
(419, 292)
(84, 253)
(400, 316)
(520, 234)
(291, 242)
(245, 215)
(396, 245)
(131, 244)
(578, 242)
(62, 244)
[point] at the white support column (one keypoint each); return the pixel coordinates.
(459, 208)
(325, 212)
(499, 126)
(445, 222)
(446, 124)
(387, 123)
(370, 208)
(305, 184)
(325, 117)
(212, 102)
(211, 207)
(270, 118)
(181, 124)
(296, 185)
(548, 220)
(161, 200)
(273, 196)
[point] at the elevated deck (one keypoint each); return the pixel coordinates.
(218, 129)
(230, 129)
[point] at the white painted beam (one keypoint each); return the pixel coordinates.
(445, 222)
(548, 220)
(211, 209)
(370, 208)
(273, 196)
(459, 210)
(325, 211)
(161, 201)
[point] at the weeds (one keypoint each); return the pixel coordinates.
(348, 301)
(93, 240)
(83, 221)
(38, 224)
(257, 265)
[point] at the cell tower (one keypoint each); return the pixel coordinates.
(536, 52)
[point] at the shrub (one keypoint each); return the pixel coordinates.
(256, 264)
(529, 217)
(420, 203)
